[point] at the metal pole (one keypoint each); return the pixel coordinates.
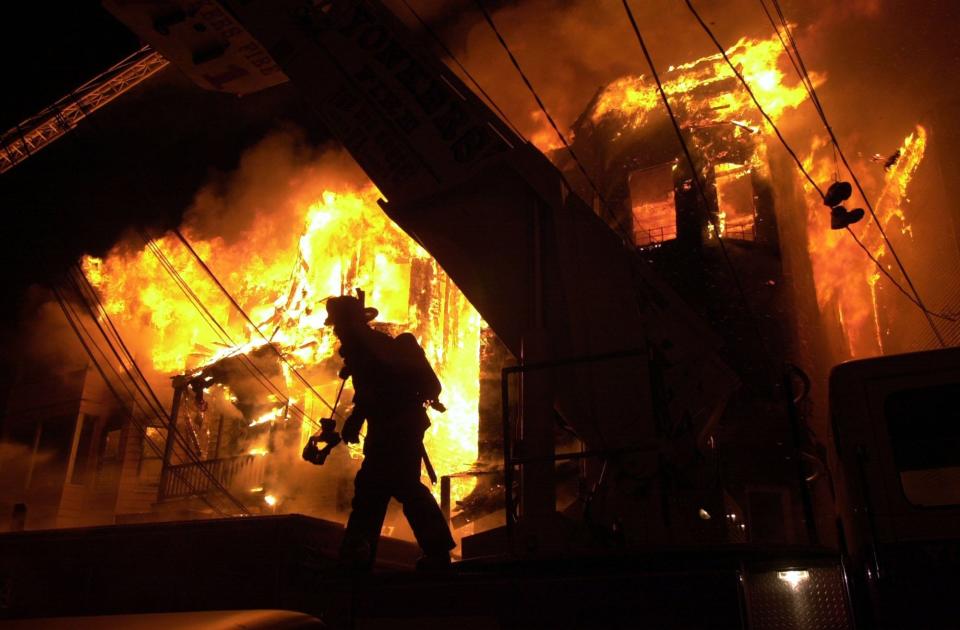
(216, 448)
(445, 497)
(806, 500)
(507, 454)
(178, 391)
(33, 455)
(537, 483)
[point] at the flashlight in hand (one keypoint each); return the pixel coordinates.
(320, 445)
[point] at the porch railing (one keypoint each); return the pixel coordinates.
(186, 480)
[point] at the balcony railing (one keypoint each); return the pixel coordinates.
(187, 480)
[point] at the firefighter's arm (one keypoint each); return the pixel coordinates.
(352, 425)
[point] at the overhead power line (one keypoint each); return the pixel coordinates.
(543, 109)
(696, 181)
(463, 68)
(98, 312)
(91, 301)
(246, 317)
(159, 414)
(793, 51)
(211, 321)
(918, 300)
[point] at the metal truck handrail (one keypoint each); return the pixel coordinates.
(508, 460)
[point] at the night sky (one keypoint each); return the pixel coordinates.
(137, 162)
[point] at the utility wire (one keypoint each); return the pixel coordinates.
(159, 413)
(239, 308)
(696, 180)
(96, 315)
(73, 319)
(553, 124)
(74, 322)
(833, 138)
(803, 72)
(220, 331)
(96, 127)
(797, 62)
(463, 68)
(159, 410)
(196, 461)
(940, 315)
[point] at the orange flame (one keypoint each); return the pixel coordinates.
(706, 88)
(346, 243)
(845, 279)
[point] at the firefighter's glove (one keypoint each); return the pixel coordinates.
(351, 429)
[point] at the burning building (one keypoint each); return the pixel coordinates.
(251, 381)
(659, 314)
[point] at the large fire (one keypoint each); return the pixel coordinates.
(345, 242)
(846, 279)
(340, 241)
(706, 88)
(707, 97)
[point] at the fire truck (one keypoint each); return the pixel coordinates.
(604, 346)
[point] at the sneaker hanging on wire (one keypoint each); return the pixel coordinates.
(841, 218)
(837, 194)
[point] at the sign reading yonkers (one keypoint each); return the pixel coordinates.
(404, 116)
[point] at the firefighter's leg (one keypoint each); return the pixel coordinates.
(370, 498)
(421, 509)
(426, 519)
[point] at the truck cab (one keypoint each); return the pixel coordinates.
(896, 428)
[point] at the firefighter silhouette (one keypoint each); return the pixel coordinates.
(392, 382)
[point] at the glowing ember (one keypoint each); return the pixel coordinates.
(270, 416)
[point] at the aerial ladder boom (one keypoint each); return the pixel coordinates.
(51, 123)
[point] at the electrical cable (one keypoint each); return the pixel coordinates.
(96, 315)
(184, 286)
(463, 69)
(543, 109)
(164, 421)
(249, 321)
(293, 369)
(765, 352)
(802, 70)
(159, 410)
(796, 61)
(940, 315)
(159, 413)
(74, 322)
(896, 257)
(220, 331)
(142, 428)
(199, 464)
(211, 321)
